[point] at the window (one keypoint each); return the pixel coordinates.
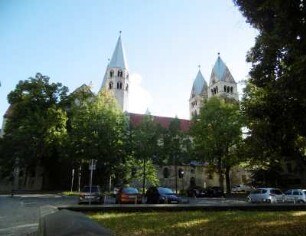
(119, 85)
(231, 89)
(166, 172)
(120, 73)
(110, 85)
(111, 73)
(127, 87)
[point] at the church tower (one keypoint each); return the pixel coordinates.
(222, 82)
(198, 94)
(116, 78)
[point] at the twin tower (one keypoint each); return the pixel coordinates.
(221, 82)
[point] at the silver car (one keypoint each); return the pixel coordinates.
(295, 196)
(268, 195)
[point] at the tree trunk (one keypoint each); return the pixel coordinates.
(227, 180)
(221, 178)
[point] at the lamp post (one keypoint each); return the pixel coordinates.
(92, 167)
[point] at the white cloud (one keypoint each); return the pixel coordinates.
(139, 98)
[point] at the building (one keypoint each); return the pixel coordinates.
(221, 84)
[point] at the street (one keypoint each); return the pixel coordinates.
(19, 215)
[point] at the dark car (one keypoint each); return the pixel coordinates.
(214, 192)
(91, 195)
(128, 195)
(196, 191)
(156, 195)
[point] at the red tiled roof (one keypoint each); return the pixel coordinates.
(136, 119)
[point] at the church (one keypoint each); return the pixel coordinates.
(116, 79)
(222, 83)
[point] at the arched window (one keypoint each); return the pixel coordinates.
(120, 73)
(119, 85)
(110, 85)
(228, 89)
(231, 89)
(127, 87)
(166, 172)
(224, 88)
(111, 73)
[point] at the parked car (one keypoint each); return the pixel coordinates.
(196, 191)
(128, 195)
(199, 192)
(268, 195)
(91, 195)
(295, 196)
(158, 195)
(241, 188)
(214, 192)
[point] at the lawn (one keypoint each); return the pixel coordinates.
(204, 223)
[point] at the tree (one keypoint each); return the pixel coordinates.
(216, 132)
(145, 138)
(96, 131)
(274, 99)
(36, 125)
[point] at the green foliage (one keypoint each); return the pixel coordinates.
(216, 132)
(36, 125)
(274, 98)
(96, 131)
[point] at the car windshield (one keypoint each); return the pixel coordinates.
(165, 191)
(256, 191)
(130, 190)
(94, 189)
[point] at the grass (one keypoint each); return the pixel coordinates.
(196, 223)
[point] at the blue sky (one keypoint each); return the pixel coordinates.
(165, 40)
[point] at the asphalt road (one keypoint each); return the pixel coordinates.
(19, 215)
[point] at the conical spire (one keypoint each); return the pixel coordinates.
(199, 85)
(220, 72)
(118, 59)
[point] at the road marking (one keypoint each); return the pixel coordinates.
(19, 227)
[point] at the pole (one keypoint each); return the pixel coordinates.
(72, 180)
(79, 179)
(175, 170)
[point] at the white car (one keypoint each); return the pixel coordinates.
(242, 188)
(267, 195)
(295, 196)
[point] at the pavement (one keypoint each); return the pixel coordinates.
(19, 215)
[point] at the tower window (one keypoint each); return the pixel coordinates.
(111, 73)
(110, 85)
(120, 73)
(119, 85)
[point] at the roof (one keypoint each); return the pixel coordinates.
(220, 72)
(136, 119)
(199, 85)
(118, 59)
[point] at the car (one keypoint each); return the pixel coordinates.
(128, 195)
(295, 196)
(267, 195)
(196, 191)
(214, 192)
(157, 195)
(91, 194)
(241, 188)
(200, 192)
